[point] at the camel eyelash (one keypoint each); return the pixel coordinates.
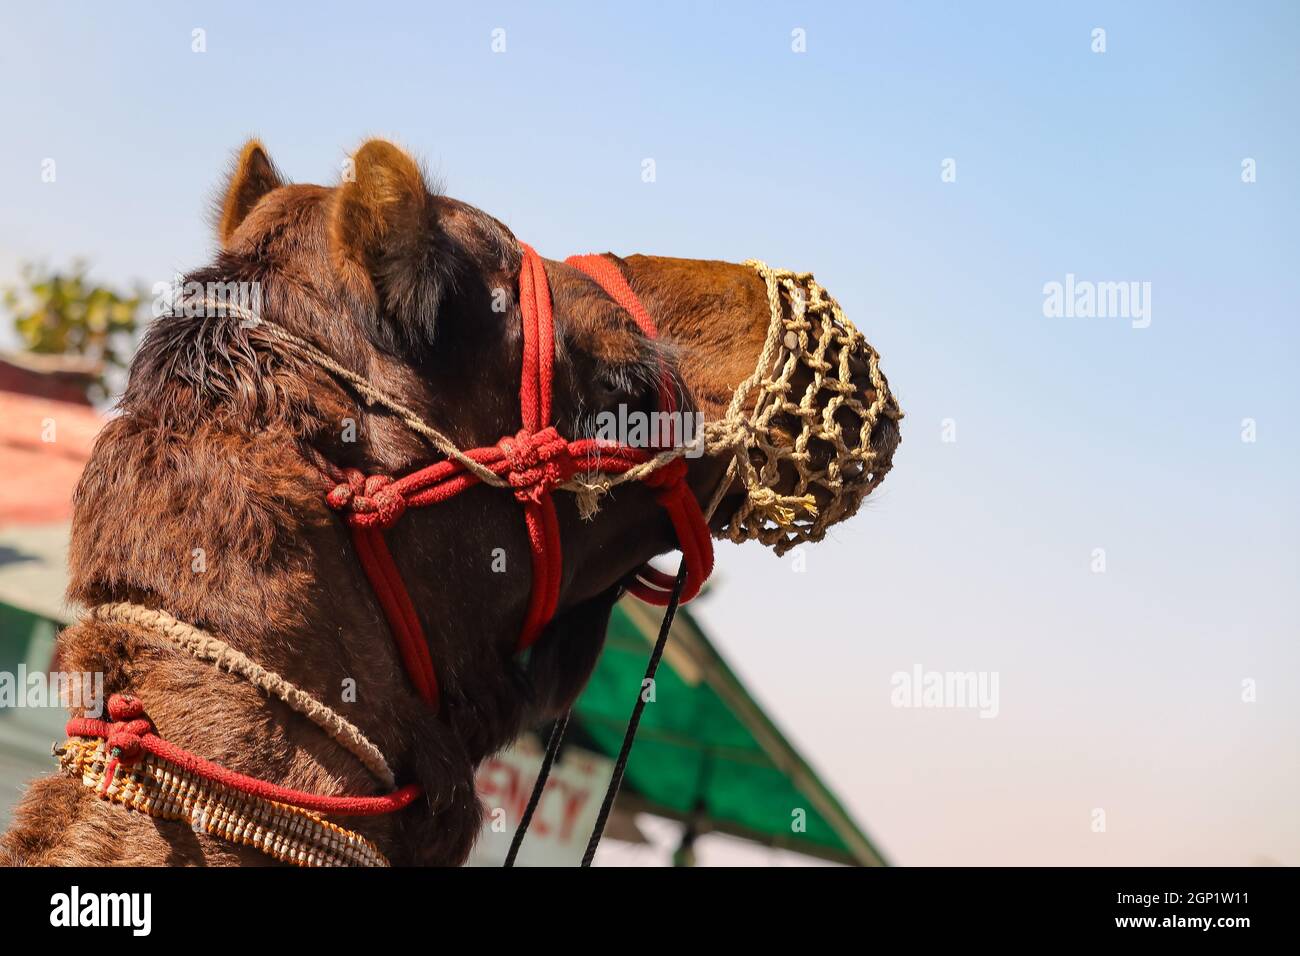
(644, 375)
(633, 379)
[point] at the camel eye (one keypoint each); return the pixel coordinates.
(621, 384)
(613, 382)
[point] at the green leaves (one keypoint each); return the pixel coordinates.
(64, 313)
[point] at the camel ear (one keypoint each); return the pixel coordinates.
(385, 221)
(252, 177)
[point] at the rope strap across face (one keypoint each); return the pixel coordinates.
(690, 524)
(533, 463)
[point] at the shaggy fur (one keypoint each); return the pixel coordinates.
(205, 497)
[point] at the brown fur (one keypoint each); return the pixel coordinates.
(217, 446)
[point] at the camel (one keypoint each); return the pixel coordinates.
(207, 501)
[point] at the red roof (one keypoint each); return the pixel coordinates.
(44, 445)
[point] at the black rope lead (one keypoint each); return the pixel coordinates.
(552, 748)
(616, 779)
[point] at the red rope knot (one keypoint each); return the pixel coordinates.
(539, 462)
(371, 501)
(668, 481)
(127, 725)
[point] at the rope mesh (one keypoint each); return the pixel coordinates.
(804, 401)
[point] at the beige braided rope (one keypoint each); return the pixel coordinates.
(159, 788)
(206, 647)
(377, 397)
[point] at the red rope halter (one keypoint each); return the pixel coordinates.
(535, 461)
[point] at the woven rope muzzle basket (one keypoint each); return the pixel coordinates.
(813, 430)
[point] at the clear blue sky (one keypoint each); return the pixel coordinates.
(1119, 691)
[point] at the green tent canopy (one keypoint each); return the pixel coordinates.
(706, 753)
